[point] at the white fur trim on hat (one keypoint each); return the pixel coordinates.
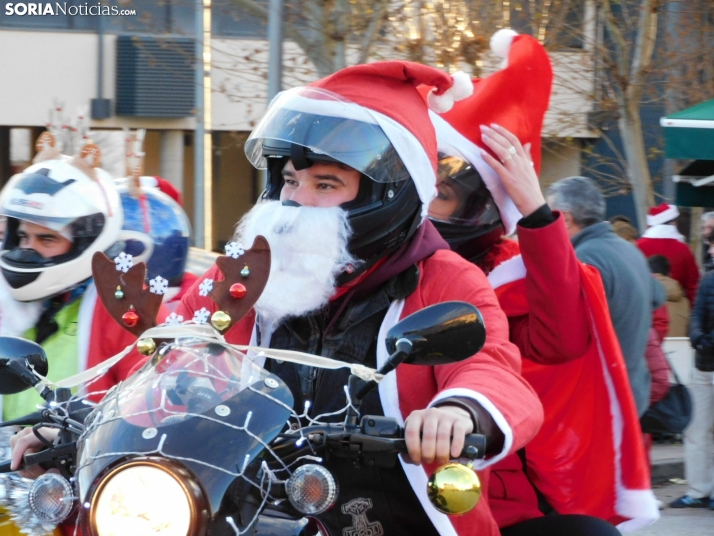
(462, 88)
(501, 42)
(663, 217)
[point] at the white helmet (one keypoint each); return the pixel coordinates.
(60, 196)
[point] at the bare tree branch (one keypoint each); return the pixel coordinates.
(372, 30)
(621, 46)
(644, 48)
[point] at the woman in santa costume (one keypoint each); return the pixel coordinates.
(351, 165)
(663, 238)
(588, 456)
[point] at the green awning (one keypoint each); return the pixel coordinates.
(689, 134)
(694, 185)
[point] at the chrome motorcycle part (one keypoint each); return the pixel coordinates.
(271, 382)
(454, 488)
(311, 489)
(51, 498)
(147, 496)
(222, 410)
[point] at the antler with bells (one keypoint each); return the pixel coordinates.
(245, 274)
(121, 289)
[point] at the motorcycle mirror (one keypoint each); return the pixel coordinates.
(16, 357)
(440, 334)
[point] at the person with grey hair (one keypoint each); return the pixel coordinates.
(632, 293)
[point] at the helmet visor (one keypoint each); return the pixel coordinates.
(463, 198)
(330, 128)
(56, 224)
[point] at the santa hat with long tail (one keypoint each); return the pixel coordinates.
(515, 97)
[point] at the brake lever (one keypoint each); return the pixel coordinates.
(50, 458)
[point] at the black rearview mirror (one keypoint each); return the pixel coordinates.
(440, 334)
(16, 357)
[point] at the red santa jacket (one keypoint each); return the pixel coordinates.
(665, 240)
(585, 443)
(490, 377)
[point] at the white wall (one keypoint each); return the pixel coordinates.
(42, 66)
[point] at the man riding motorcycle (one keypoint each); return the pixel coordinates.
(351, 162)
(57, 218)
(556, 308)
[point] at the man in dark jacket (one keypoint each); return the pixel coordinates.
(632, 293)
(698, 440)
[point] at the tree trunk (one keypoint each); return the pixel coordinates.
(638, 171)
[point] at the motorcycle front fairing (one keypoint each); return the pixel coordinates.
(201, 406)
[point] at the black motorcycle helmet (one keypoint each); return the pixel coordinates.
(309, 124)
(464, 211)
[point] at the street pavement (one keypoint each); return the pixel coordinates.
(679, 521)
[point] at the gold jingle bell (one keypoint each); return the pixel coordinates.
(220, 320)
(146, 346)
(454, 488)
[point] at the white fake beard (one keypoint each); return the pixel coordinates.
(16, 317)
(308, 248)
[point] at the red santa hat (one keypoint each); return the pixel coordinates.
(661, 214)
(515, 97)
(387, 90)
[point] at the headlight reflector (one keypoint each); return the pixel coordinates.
(142, 499)
(311, 489)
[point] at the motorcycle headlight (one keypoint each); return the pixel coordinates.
(146, 497)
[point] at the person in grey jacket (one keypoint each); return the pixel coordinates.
(632, 293)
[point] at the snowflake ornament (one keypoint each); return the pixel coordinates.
(123, 262)
(174, 320)
(201, 316)
(158, 285)
(205, 287)
(233, 249)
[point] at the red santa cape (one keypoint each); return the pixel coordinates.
(588, 456)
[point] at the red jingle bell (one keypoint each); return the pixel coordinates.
(130, 318)
(238, 291)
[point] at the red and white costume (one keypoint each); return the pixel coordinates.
(662, 238)
(588, 456)
(490, 377)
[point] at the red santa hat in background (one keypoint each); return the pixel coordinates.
(661, 214)
(387, 90)
(515, 97)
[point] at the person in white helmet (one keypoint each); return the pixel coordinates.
(59, 213)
